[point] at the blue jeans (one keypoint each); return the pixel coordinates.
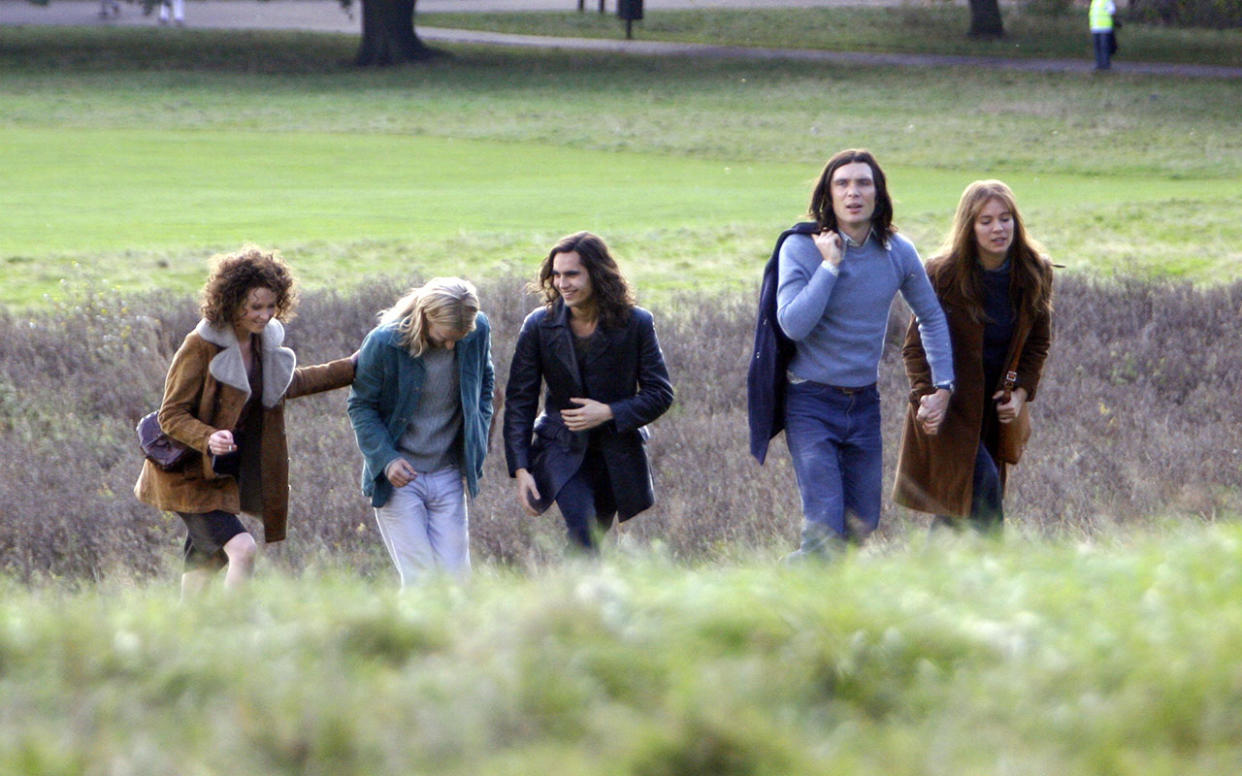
(834, 440)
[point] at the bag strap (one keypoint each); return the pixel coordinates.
(1011, 372)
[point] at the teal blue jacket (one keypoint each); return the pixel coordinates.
(384, 398)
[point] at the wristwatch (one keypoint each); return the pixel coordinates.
(949, 386)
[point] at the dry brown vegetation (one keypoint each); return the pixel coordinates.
(1137, 419)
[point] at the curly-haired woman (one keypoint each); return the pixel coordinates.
(224, 399)
(995, 286)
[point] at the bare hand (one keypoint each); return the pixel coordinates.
(400, 473)
(829, 244)
(590, 414)
(221, 442)
(932, 410)
(1007, 411)
(528, 492)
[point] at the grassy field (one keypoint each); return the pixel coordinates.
(909, 29)
(129, 157)
(1021, 658)
(1092, 639)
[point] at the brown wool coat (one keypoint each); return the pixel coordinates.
(205, 391)
(934, 473)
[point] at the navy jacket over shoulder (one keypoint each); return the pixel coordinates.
(624, 369)
(765, 379)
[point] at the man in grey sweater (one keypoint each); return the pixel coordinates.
(835, 290)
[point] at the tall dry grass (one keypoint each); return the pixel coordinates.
(1137, 418)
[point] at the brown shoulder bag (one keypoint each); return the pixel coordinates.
(1014, 435)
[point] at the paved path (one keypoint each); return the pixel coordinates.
(327, 16)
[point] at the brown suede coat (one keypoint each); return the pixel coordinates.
(934, 473)
(205, 391)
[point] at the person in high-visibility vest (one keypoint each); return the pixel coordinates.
(1100, 16)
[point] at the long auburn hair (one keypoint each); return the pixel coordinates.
(451, 303)
(820, 208)
(611, 292)
(957, 261)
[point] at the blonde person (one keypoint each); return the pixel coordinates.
(996, 290)
(421, 406)
(224, 398)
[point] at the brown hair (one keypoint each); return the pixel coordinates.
(958, 259)
(234, 274)
(613, 297)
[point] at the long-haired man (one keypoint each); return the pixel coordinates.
(834, 293)
(598, 356)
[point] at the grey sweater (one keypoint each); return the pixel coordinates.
(837, 317)
(431, 440)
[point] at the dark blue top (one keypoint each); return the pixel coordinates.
(998, 329)
(624, 368)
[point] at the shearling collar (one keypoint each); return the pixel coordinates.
(227, 366)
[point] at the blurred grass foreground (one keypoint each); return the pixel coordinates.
(950, 656)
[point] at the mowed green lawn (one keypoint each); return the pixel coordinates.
(128, 157)
(148, 195)
(106, 191)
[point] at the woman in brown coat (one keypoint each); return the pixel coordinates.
(224, 399)
(996, 290)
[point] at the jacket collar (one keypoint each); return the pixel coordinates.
(600, 343)
(227, 366)
(560, 342)
(558, 315)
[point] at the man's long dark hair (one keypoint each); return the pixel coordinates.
(821, 198)
(612, 295)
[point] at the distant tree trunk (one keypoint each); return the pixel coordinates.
(388, 36)
(985, 19)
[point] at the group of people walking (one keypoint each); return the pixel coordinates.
(588, 375)
(422, 393)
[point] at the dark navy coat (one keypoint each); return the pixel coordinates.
(765, 378)
(624, 369)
